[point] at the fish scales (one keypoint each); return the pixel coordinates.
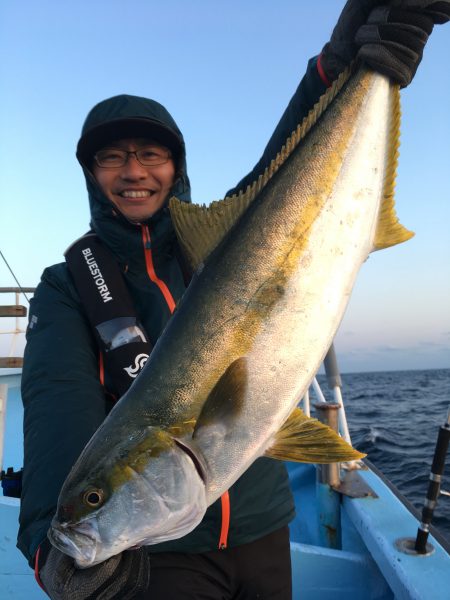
(259, 317)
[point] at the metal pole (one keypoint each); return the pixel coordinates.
(306, 405)
(318, 391)
(10, 290)
(328, 500)
(335, 383)
(3, 396)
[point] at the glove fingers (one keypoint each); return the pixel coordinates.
(439, 12)
(384, 14)
(389, 36)
(390, 21)
(132, 577)
(84, 584)
(380, 59)
(354, 14)
(120, 577)
(408, 36)
(393, 40)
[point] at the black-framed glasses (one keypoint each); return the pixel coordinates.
(150, 156)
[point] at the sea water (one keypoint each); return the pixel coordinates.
(395, 417)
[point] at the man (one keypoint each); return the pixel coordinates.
(133, 158)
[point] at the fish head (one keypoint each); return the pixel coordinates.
(145, 493)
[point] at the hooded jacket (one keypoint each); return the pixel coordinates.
(62, 389)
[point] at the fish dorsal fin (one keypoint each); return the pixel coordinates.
(389, 230)
(226, 398)
(201, 228)
(302, 439)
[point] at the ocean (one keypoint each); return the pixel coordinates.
(394, 417)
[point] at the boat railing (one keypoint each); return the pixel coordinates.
(14, 312)
(335, 384)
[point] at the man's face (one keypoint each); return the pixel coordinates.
(137, 191)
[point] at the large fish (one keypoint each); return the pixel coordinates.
(221, 385)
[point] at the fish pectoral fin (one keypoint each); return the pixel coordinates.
(303, 439)
(226, 398)
(201, 228)
(389, 230)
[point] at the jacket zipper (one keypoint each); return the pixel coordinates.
(225, 500)
(147, 242)
(101, 368)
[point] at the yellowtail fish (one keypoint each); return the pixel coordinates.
(275, 269)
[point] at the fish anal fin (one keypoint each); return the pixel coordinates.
(389, 230)
(226, 398)
(303, 439)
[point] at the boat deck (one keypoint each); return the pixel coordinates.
(369, 566)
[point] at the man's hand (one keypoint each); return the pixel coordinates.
(118, 578)
(388, 35)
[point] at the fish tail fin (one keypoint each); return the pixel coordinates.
(302, 439)
(389, 230)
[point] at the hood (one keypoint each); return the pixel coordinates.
(129, 116)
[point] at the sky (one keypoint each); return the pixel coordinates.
(226, 71)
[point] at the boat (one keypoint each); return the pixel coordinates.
(355, 536)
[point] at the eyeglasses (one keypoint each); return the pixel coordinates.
(150, 156)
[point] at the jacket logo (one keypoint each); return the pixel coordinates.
(96, 275)
(139, 362)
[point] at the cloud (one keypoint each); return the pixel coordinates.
(388, 348)
(392, 357)
(430, 344)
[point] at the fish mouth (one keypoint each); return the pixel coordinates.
(76, 540)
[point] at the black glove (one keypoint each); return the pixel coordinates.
(118, 578)
(388, 36)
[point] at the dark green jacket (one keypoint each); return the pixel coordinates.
(64, 400)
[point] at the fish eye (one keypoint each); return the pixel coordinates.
(93, 498)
